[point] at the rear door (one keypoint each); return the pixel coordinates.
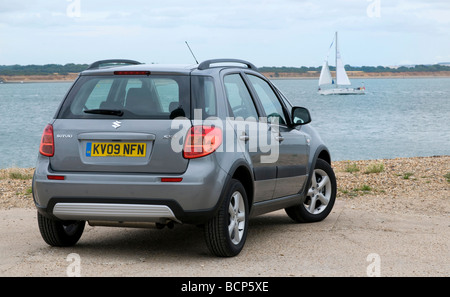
(291, 164)
(121, 124)
(244, 118)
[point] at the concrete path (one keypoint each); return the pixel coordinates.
(349, 242)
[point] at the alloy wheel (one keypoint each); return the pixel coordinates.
(319, 193)
(236, 210)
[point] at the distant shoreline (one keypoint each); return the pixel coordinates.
(359, 75)
(38, 78)
(71, 77)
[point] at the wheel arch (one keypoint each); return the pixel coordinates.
(320, 153)
(324, 155)
(243, 173)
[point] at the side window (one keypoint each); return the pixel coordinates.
(238, 96)
(210, 97)
(269, 99)
(204, 94)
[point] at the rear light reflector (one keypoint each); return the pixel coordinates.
(131, 72)
(47, 147)
(171, 179)
(56, 177)
(202, 141)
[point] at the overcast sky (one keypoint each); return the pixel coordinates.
(265, 32)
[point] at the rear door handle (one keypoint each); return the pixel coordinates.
(279, 138)
(244, 137)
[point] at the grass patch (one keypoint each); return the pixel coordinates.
(407, 175)
(375, 168)
(348, 193)
(343, 191)
(19, 175)
(351, 168)
(447, 176)
(363, 188)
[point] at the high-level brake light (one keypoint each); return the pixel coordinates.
(131, 72)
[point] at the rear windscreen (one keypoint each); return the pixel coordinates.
(128, 97)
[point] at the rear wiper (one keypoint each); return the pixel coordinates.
(116, 112)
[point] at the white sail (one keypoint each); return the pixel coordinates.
(325, 75)
(341, 75)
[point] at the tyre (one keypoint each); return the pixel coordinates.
(320, 197)
(225, 234)
(60, 233)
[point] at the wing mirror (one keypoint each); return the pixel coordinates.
(300, 116)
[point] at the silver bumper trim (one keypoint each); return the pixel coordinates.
(113, 212)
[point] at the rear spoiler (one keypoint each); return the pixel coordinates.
(113, 62)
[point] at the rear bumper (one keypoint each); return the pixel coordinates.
(131, 197)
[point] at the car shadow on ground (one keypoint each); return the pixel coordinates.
(181, 241)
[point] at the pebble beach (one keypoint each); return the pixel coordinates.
(402, 185)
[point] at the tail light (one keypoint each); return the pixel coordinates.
(47, 147)
(202, 141)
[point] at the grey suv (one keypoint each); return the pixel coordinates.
(211, 144)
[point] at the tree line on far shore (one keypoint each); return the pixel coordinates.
(48, 69)
(303, 69)
(51, 69)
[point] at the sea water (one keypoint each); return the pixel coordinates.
(396, 118)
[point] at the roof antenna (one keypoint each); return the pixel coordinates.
(191, 52)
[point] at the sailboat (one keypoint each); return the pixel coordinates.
(341, 76)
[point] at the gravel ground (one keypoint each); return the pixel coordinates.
(403, 185)
(15, 188)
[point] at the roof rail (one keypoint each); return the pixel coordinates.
(207, 64)
(98, 64)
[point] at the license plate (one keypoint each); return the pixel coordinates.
(121, 149)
